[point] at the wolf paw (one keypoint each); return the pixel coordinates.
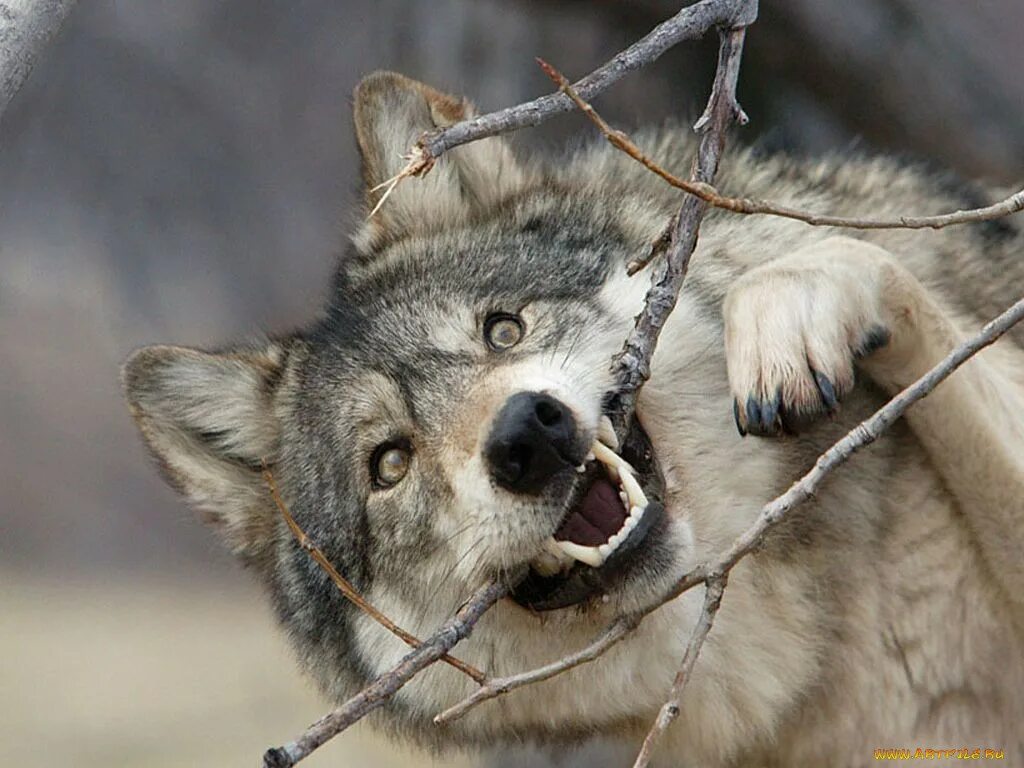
(793, 330)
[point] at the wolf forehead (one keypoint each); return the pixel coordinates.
(409, 304)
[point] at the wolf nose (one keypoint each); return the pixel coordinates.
(533, 438)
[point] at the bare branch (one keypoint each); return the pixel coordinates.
(715, 586)
(345, 586)
(384, 687)
(26, 26)
(633, 365)
(709, 194)
(689, 24)
(775, 511)
(493, 688)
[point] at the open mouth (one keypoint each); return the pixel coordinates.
(616, 506)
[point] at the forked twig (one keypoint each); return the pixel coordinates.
(690, 23)
(386, 685)
(417, 164)
(714, 587)
(771, 513)
(745, 205)
(345, 586)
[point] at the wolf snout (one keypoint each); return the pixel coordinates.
(534, 437)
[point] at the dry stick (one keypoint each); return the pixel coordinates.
(691, 23)
(26, 27)
(349, 591)
(771, 513)
(495, 687)
(386, 685)
(632, 366)
(715, 586)
(709, 194)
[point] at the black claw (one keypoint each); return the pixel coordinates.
(753, 414)
(876, 338)
(769, 414)
(827, 390)
(736, 416)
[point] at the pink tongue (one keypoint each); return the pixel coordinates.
(599, 516)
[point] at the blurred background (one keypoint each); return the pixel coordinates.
(182, 171)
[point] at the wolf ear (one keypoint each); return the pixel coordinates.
(391, 113)
(209, 421)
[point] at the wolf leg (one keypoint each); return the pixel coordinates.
(794, 329)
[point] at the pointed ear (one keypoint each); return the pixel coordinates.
(391, 113)
(209, 421)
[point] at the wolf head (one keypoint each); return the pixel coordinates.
(442, 422)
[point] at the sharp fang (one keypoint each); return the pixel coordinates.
(606, 433)
(589, 555)
(581, 468)
(590, 456)
(609, 458)
(636, 493)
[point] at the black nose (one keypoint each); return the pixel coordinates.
(533, 438)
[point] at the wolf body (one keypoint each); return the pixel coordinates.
(886, 613)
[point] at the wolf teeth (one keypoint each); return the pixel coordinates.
(592, 556)
(558, 555)
(606, 433)
(623, 473)
(633, 489)
(589, 555)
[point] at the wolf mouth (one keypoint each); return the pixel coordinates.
(615, 509)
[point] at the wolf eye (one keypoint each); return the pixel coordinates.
(389, 464)
(503, 331)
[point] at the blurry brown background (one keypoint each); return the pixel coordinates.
(182, 171)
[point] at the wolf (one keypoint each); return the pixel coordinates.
(443, 420)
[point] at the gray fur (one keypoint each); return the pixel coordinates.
(876, 615)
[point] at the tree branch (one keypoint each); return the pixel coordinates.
(26, 26)
(386, 685)
(715, 586)
(691, 23)
(745, 205)
(499, 685)
(633, 365)
(771, 513)
(345, 586)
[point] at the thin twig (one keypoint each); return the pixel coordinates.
(714, 587)
(690, 23)
(632, 367)
(386, 685)
(499, 685)
(776, 510)
(26, 27)
(349, 591)
(709, 194)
